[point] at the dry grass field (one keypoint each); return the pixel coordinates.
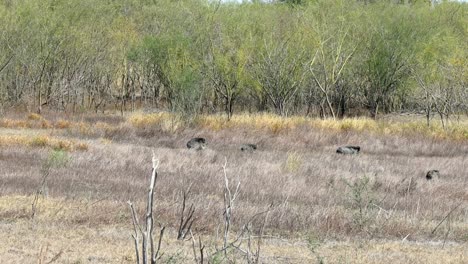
(375, 207)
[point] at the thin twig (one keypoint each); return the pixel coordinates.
(161, 234)
(451, 211)
(56, 257)
(135, 226)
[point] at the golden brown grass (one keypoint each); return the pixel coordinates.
(170, 123)
(165, 121)
(43, 141)
(269, 122)
(276, 124)
(34, 116)
(62, 124)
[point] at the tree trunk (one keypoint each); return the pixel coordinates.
(374, 110)
(330, 107)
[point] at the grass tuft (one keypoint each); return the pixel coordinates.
(34, 116)
(38, 141)
(63, 124)
(166, 122)
(293, 162)
(140, 120)
(10, 123)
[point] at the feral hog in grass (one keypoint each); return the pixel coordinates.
(196, 143)
(432, 174)
(347, 150)
(248, 147)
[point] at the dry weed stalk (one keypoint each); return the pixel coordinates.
(147, 246)
(186, 219)
(446, 216)
(201, 248)
(253, 254)
(245, 234)
(42, 253)
(229, 199)
(40, 190)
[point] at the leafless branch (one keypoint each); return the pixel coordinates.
(135, 236)
(186, 220)
(147, 246)
(449, 213)
(39, 190)
(201, 248)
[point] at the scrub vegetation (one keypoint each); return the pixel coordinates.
(91, 90)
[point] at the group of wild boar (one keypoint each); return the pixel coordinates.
(199, 143)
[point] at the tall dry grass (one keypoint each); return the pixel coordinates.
(42, 141)
(378, 195)
(381, 193)
(148, 124)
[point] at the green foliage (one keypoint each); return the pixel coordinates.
(314, 243)
(387, 65)
(57, 159)
(217, 258)
(293, 162)
(196, 56)
(362, 198)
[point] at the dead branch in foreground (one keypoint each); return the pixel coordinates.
(186, 219)
(147, 247)
(251, 254)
